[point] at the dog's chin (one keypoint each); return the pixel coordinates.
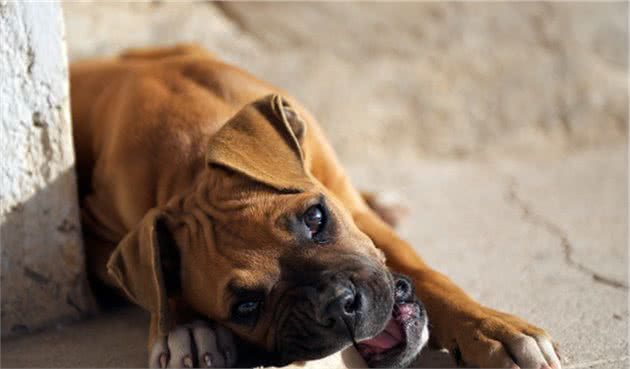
(404, 336)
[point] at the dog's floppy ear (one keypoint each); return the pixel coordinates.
(145, 265)
(285, 112)
(263, 142)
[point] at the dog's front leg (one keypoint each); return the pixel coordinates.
(198, 344)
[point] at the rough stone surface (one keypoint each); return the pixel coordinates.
(43, 277)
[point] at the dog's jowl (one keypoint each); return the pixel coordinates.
(214, 201)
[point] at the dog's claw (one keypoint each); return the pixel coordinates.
(188, 363)
(207, 359)
(163, 360)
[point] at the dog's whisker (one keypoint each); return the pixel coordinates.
(350, 332)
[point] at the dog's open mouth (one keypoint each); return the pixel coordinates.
(404, 335)
(393, 339)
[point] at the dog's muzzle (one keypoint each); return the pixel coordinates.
(327, 310)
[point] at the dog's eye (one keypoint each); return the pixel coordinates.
(246, 312)
(247, 308)
(314, 219)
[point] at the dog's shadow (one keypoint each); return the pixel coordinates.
(431, 358)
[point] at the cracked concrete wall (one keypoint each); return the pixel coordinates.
(42, 267)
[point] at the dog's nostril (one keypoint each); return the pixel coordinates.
(348, 309)
(352, 304)
(346, 302)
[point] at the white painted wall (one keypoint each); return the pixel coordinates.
(42, 264)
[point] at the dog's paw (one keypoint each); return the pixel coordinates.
(501, 340)
(195, 345)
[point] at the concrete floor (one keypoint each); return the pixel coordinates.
(544, 238)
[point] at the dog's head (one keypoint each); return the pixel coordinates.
(261, 246)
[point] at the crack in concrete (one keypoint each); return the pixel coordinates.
(556, 231)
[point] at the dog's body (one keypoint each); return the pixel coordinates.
(168, 138)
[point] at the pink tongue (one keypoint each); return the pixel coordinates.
(388, 338)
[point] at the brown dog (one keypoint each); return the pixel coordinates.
(207, 194)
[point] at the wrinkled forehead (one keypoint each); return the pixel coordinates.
(256, 234)
(268, 222)
(261, 212)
